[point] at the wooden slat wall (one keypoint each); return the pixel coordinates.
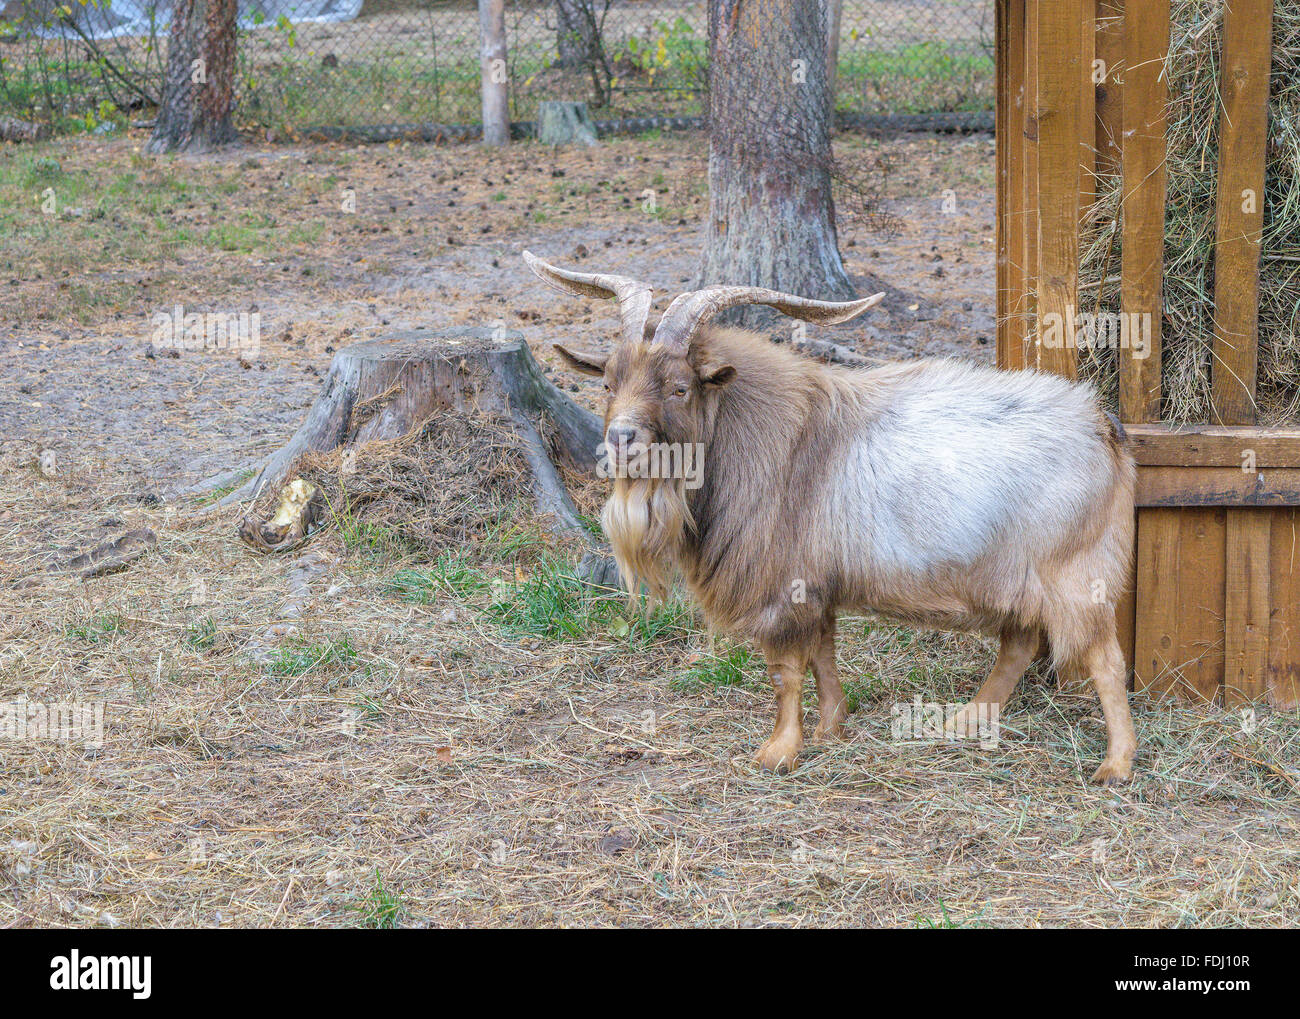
(1145, 93)
(1216, 578)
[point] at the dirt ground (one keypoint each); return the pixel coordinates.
(356, 734)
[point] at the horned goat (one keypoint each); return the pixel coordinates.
(940, 493)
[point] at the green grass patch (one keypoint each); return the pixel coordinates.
(201, 635)
(300, 656)
(381, 908)
(552, 602)
(450, 573)
(735, 667)
(97, 629)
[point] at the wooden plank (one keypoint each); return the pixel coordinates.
(1284, 618)
(1157, 592)
(1246, 607)
(1217, 486)
(1243, 135)
(1109, 49)
(1087, 145)
(1180, 586)
(1001, 117)
(1029, 219)
(1146, 44)
(1060, 77)
(1214, 446)
(1011, 349)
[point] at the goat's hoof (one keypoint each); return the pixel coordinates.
(970, 722)
(834, 731)
(1113, 773)
(778, 756)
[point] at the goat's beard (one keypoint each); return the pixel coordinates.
(646, 521)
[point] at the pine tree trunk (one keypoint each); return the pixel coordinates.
(771, 214)
(573, 33)
(199, 90)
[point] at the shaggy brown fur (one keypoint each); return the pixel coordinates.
(762, 543)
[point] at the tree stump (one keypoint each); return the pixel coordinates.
(564, 123)
(385, 388)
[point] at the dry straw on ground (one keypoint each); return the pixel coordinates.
(417, 746)
(1195, 108)
(440, 486)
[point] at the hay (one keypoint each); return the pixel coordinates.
(1193, 158)
(443, 485)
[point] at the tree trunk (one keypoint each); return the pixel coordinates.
(771, 215)
(384, 389)
(199, 88)
(496, 106)
(574, 31)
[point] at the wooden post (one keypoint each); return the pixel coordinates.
(1002, 299)
(1012, 188)
(1087, 111)
(1029, 217)
(1243, 135)
(1110, 51)
(492, 35)
(1061, 77)
(1146, 93)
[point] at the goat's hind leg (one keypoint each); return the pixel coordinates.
(830, 695)
(1104, 662)
(1018, 649)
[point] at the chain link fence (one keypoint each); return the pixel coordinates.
(304, 65)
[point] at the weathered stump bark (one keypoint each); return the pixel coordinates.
(383, 389)
(564, 123)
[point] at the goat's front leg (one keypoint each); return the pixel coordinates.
(786, 668)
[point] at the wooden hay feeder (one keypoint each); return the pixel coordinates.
(1213, 610)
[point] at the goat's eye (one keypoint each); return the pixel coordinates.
(681, 391)
(607, 389)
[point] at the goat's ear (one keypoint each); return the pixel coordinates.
(714, 374)
(588, 364)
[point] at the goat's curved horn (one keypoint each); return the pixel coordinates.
(633, 296)
(691, 310)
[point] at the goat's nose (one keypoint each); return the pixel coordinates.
(620, 435)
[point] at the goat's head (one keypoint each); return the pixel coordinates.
(660, 385)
